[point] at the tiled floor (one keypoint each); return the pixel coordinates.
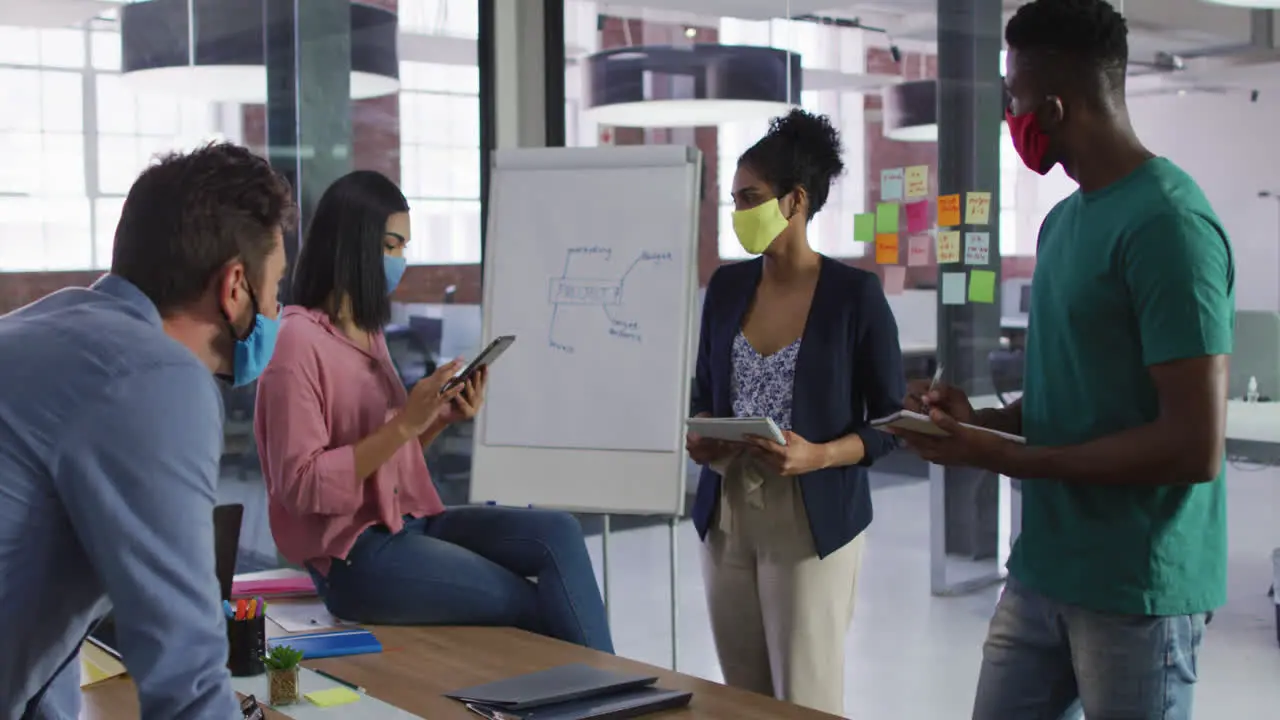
(915, 657)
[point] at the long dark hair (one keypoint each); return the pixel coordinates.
(342, 253)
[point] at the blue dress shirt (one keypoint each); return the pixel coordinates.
(110, 437)
(847, 372)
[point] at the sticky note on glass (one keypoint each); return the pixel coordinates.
(918, 250)
(917, 216)
(948, 246)
(887, 249)
(864, 227)
(887, 218)
(977, 208)
(917, 181)
(891, 184)
(977, 248)
(953, 288)
(895, 279)
(948, 210)
(982, 286)
(332, 697)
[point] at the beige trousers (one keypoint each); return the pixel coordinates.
(779, 615)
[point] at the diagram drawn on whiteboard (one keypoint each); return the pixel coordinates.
(567, 290)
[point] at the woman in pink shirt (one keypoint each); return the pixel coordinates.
(342, 451)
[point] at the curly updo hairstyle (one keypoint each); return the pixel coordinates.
(800, 150)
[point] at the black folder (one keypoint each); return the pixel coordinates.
(549, 687)
(612, 706)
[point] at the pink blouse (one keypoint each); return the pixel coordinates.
(320, 396)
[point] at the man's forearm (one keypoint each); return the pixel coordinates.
(1005, 419)
(1149, 455)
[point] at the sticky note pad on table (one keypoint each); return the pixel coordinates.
(895, 279)
(953, 288)
(917, 181)
(918, 250)
(948, 210)
(917, 216)
(891, 184)
(864, 227)
(887, 218)
(982, 286)
(948, 246)
(332, 697)
(977, 210)
(977, 248)
(887, 249)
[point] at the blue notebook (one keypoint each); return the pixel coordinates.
(330, 644)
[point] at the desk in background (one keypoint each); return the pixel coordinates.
(419, 664)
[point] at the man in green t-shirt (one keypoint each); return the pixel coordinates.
(1123, 547)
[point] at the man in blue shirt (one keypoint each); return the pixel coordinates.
(111, 433)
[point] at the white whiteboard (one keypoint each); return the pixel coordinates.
(591, 262)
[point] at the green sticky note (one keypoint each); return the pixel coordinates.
(887, 218)
(982, 286)
(864, 227)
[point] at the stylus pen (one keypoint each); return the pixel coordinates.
(340, 681)
(937, 378)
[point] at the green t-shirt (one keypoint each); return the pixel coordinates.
(1136, 274)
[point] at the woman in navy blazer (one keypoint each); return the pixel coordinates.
(811, 343)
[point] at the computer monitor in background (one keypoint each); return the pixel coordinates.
(1024, 302)
(1015, 300)
(1256, 354)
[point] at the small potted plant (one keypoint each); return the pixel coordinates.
(282, 675)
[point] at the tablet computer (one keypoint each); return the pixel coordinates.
(736, 429)
(484, 359)
(919, 423)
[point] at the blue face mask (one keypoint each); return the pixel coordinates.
(254, 352)
(393, 267)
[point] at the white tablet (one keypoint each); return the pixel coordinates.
(918, 423)
(736, 429)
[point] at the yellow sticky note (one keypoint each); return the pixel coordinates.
(887, 217)
(917, 181)
(982, 286)
(887, 249)
(332, 697)
(948, 246)
(977, 210)
(948, 210)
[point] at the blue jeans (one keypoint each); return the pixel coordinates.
(1044, 660)
(478, 565)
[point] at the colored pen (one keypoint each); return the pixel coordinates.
(240, 608)
(340, 681)
(227, 610)
(252, 612)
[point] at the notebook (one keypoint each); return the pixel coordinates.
(273, 584)
(736, 429)
(918, 423)
(557, 685)
(330, 644)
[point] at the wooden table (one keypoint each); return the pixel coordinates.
(419, 664)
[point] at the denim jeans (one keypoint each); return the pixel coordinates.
(1044, 660)
(485, 565)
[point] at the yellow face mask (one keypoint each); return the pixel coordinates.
(757, 227)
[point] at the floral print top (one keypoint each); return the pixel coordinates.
(762, 385)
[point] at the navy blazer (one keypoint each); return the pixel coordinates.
(848, 371)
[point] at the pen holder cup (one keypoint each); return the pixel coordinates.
(246, 644)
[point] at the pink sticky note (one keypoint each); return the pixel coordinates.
(895, 279)
(917, 216)
(918, 250)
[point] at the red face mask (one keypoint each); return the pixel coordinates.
(1029, 140)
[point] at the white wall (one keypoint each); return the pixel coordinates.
(1229, 145)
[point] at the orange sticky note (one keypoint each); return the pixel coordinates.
(917, 181)
(948, 246)
(948, 210)
(895, 279)
(977, 208)
(918, 250)
(887, 249)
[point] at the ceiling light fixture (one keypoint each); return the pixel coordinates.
(1257, 4)
(695, 85)
(910, 111)
(213, 49)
